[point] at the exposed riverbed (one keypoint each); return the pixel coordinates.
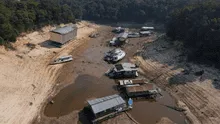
(89, 82)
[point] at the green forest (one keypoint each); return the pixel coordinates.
(198, 27)
(18, 16)
(196, 23)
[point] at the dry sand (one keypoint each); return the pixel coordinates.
(165, 120)
(26, 77)
(164, 64)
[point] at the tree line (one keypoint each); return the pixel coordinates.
(18, 16)
(25, 15)
(197, 26)
(130, 10)
(196, 23)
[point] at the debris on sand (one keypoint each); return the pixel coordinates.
(33, 86)
(19, 56)
(52, 101)
(31, 45)
(176, 108)
(94, 35)
(165, 120)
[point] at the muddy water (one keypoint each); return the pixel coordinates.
(74, 96)
(91, 83)
(151, 111)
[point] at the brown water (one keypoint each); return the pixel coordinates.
(91, 83)
(74, 96)
(151, 111)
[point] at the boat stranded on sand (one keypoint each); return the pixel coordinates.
(118, 30)
(119, 40)
(114, 55)
(133, 35)
(62, 59)
(123, 70)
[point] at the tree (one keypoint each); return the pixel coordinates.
(198, 27)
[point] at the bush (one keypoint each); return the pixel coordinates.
(2, 41)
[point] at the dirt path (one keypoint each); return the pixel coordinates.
(26, 78)
(163, 63)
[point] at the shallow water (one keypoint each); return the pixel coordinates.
(75, 96)
(91, 83)
(145, 111)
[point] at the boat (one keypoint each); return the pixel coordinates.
(145, 33)
(123, 70)
(62, 59)
(118, 30)
(114, 55)
(147, 28)
(119, 40)
(133, 35)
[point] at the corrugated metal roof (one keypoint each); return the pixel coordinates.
(104, 103)
(141, 88)
(126, 66)
(64, 30)
(134, 81)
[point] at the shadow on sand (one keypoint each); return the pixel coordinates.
(50, 44)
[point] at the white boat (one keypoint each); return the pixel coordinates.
(118, 30)
(114, 55)
(147, 28)
(133, 35)
(119, 40)
(63, 59)
(113, 41)
(145, 33)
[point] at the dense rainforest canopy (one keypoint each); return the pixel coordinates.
(196, 23)
(198, 27)
(17, 16)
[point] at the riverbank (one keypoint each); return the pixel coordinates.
(71, 84)
(26, 78)
(195, 87)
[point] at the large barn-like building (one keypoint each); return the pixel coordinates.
(63, 34)
(106, 105)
